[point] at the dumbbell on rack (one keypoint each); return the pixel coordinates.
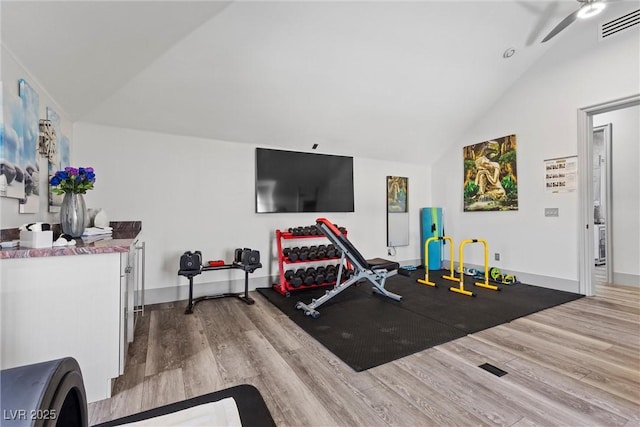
(331, 251)
(331, 273)
(309, 276)
(298, 278)
(293, 254)
(303, 254)
(322, 252)
(320, 277)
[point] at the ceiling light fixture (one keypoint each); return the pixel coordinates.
(509, 53)
(590, 9)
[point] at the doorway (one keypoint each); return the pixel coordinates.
(602, 205)
(586, 221)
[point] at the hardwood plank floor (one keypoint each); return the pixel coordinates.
(573, 365)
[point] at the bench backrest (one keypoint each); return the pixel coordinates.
(340, 240)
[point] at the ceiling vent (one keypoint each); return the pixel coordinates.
(620, 24)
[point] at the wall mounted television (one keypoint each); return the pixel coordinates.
(290, 181)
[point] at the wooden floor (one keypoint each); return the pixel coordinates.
(573, 365)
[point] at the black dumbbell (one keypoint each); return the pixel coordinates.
(298, 278)
(309, 276)
(331, 251)
(288, 275)
(303, 254)
(313, 253)
(293, 254)
(322, 252)
(330, 274)
(320, 277)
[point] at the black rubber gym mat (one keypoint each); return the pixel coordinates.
(367, 330)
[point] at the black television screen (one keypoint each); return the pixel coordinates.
(289, 181)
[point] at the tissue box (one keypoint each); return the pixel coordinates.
(36, 239)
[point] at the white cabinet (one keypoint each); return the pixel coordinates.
(79, 302)
(58, 306)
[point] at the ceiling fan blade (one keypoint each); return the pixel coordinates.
(562, 25)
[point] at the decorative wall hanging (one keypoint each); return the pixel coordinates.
(490, 175)
(11, 170)
(397, 193)
(31, 106)
(47, 140)
(59, 158)
(561, 174)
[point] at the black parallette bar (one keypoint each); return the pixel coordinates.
(493, 369)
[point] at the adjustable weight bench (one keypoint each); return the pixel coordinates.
(375, 271)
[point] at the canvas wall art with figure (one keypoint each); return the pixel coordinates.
(490, 175)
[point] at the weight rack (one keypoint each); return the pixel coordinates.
(284, 287)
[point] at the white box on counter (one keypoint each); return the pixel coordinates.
(36, 239)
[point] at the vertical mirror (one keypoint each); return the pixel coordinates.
(397, 211)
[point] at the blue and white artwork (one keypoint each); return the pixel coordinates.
(11, 170)
(31, 106)
(60, 159)
(1, 122)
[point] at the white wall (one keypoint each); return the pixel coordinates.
(625, 183)
(198, 194)
(12, 71)
(541, 109)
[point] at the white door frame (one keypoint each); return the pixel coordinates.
(585, 185)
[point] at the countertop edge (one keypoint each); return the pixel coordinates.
(124, 235)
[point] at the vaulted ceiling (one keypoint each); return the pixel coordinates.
(394, 80)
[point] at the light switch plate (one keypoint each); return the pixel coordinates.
(551, 212)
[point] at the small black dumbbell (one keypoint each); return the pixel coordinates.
(293, 254)
(303, 254)
(331, 251)
(320, 277)
(298, 278)
(288, 275)
(309, 276)
(313, 253)
(330, 274)
(322, 252)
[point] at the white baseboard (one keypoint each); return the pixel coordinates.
(550, 282)
(181, 292)
(625, 279)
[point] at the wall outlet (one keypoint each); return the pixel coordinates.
(497, 256)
